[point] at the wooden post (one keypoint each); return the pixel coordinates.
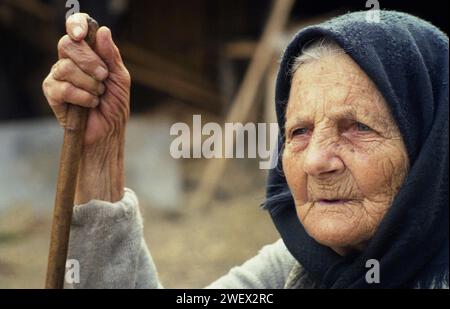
(245, 97)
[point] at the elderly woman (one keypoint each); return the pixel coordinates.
(360, 193)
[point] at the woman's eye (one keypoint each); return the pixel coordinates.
(299, 131)
(362, 127)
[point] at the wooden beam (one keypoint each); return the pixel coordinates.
(151, 59)
(242, 49)
(246, 95)
(180, 88)
(153, 71)
(269, 98)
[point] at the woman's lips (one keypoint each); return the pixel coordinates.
(332, 202)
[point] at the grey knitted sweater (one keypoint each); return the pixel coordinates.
(107, 241)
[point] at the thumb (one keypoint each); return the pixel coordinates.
(108, 51)
(77, 26)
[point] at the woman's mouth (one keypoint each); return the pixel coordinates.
(332, 202)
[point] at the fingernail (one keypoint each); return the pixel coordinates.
(100, 73)
(96, 101)
(77, 32)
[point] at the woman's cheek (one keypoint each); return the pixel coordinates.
(376, 173)
(295, 176)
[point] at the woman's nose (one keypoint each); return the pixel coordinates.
(322, 159)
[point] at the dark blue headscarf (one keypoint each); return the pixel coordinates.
(407, 59)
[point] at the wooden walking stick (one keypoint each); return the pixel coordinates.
(71, 152)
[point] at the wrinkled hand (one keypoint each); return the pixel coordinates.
(96, 79)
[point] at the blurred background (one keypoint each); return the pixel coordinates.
(216, 58)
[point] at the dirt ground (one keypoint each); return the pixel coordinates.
(191, 248)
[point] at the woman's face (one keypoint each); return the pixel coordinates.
(344, 158)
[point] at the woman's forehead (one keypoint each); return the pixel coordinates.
(336, 95)
(339, 70)
(333, 84)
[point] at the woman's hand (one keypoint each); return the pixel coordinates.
(96, 79)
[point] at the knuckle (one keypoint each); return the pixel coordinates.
(66, 91)
(46, 85)
(62, 69)
(64, 42)
(51, 91)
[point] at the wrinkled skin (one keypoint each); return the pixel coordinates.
(96, 79)
(344, 158)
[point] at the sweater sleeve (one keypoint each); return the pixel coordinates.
(269, 269)
(107, 241)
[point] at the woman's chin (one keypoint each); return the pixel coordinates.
(336, 232)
